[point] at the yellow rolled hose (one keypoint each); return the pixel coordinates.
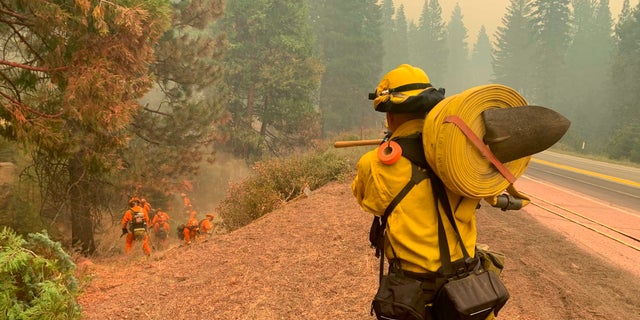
(460, 165)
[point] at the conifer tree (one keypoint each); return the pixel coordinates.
(388, 29)
(402, 36)
(352, 55)
(588, 62)
(550, 22)
(458, 73)
(182, 118)
(395, 41)
(623, 17)
(480, 70)
(74, 71)
(37, 277)
(272, 76)
(430, 42)
(625, 142)
(412, 35)
(513, 51)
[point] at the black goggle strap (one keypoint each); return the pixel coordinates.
(406, 87)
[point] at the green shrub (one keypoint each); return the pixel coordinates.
(276, 181)
(37, 278)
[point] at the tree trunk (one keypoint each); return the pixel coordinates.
(80, 206)
(250, 102)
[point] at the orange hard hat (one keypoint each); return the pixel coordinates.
(133, 201)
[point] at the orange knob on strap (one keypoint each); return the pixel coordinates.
(389, 152)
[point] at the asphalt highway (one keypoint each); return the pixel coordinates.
(611, 183)
(594, 204)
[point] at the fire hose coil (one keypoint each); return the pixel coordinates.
(461, 166)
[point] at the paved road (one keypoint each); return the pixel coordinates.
(611, 183)
(594, 204)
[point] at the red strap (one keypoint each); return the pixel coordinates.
(481, 147)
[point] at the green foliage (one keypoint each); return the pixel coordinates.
(513, 48)
(277, 181)
(71, 90)
(181, 121)
(625, 144)
(37, 278)
(429, 49)
(457, 75)
(272, 75)
(350, 38)
(550, 22)
(481, 71)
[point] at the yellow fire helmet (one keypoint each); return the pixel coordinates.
(405, 89)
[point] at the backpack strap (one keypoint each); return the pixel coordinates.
(412, 149)
(440, 196)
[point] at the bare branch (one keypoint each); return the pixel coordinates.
(32, 68)
(28, 109)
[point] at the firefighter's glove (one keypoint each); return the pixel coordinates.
(124, 231)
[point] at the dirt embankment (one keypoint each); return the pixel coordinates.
(311, 260)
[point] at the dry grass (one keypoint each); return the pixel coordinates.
(310, 260)
(298, 262)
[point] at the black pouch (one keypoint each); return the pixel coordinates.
(375, 232)
(400, 297)
(472, 297)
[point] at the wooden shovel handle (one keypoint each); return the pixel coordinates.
(356, 143)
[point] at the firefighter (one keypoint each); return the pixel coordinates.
(191, 229)
(134, 225)
(160, 224)
(206, 225)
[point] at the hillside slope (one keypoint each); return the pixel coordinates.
(311, 260)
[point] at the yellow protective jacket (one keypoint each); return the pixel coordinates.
(412, 227)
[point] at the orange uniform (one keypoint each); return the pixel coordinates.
(206, 226)
(129, 223)
(186, 201)
(146, 206)
(191, 228)
(160, 220)
(160, 224)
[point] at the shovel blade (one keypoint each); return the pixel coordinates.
(514, 133)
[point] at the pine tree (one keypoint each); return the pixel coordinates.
(458, 73)
(625, 143)
(183, 116)
(412, 35)
(402, 36)
(480, 70)
(550, 21)
(430, 42)
(389, 35)
(396, 46)
(623, 17)
(588, 62)
(73, 77)
(272, 76)
(513, 51)
(350, 43)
